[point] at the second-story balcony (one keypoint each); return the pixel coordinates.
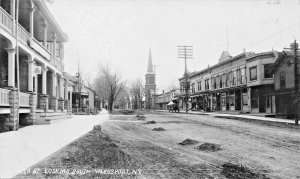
(42, 36)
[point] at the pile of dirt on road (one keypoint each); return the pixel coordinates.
(158, 129)
(188, 141)
(150, 122)
(238, 171)
(140, 117)
(210, 147)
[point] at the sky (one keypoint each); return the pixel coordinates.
(121, 32)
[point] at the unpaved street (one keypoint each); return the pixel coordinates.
(267, 151)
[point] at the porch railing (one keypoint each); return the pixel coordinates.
(24, 100)
(23, 35)
(4, 97)
(6, 20)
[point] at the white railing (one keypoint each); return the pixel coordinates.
(24, 100)
(6, 20)
(23, 35)
(4, 97)
(41, 49)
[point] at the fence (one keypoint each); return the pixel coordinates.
(83, 111)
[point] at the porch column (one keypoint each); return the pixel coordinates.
(70, 101)
(54, 81)
(44, 80)
(66, 89)
(45, 25)
(66, 94)
(30, 75)
(61, 89)
(31, 20)
(11, 66)
(35, 81)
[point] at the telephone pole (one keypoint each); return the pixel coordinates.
(294, 47)
(185, 52)
(154, 96)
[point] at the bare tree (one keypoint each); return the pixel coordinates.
(122, 99)
(109, 85)
(137, 91)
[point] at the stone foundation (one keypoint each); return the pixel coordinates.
(53, 103)
(61, 104)
(12, 122)
(32, 103)
(44, 104)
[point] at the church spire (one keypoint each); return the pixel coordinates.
(150, 65)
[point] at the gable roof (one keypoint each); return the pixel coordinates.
(281, 56)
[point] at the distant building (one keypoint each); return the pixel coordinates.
(239, 83)
(284, 76)
(162, 100)
(150, 85)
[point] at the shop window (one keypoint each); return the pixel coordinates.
(268, 98)
(267, 68)
(282, 79)
(214, 101)
(245, 99)
(223, 101)
(253, 73)
(231, 100)
(254, 98)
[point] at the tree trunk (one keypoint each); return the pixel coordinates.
(110, 104)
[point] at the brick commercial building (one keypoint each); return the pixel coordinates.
(43, 85)
(239, 83)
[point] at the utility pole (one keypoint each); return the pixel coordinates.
(294, 47)
(154, 96)
(17, 59)
(185, 52)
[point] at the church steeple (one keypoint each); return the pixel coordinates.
(150, 85)
(150, 65)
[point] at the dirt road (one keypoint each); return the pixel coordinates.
(258, 151)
